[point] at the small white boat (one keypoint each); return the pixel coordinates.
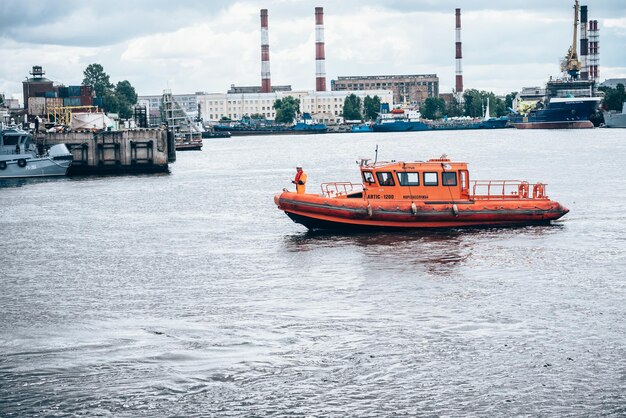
(614, 119)
(19, 157)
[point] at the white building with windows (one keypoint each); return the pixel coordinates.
(325, 106)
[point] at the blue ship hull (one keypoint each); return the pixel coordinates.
(570, 114)
(400, 126)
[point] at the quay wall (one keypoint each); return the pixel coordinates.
(115, 152)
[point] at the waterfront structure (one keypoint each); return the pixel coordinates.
(41, 96)
(407, 89)
(325, 106)
(154, 105)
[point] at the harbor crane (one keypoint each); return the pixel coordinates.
(571, 64)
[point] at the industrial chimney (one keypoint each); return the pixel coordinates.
(584, 46)
(320, 70)
(594, 50)
(459, 55)
(266, 84)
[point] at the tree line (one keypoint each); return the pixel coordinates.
(474, 103)
(116, 98)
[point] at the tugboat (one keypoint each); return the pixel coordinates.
(436, 193)
(398, 120)
(309, 125)
(19, 158)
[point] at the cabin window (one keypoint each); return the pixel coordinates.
(448, 178)
(368, 177)
(385, 178)
(409, 179)
(430, 179)
(11, 140)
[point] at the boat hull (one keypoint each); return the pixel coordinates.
(34, 167)
(400, 127)
(614, 120)
(318, 212)
(568, 113)
(585, 124)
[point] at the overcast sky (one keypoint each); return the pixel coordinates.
(200, 45)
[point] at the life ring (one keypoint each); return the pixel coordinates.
(538, 191)
(21, 162)
(3, 165)
(522, 189)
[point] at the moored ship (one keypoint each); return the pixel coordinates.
(19, 157)
(398, 120)
(436, 193)
(614, 119)
(568, 103)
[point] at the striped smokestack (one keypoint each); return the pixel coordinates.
(320, 57)
(266, 84)
(594, 50)
(459, 56)
(584, 46)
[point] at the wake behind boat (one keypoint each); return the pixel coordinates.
(19, 157)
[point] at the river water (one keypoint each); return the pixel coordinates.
(190, 294)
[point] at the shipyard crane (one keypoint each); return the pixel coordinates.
(571, 64)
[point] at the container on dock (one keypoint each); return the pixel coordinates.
(73, 91)
(52, 103)
(63, 92)
(36, 106)
(71, 101)
(86, 91)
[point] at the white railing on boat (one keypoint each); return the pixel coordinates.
(507, 189)
(340, 188)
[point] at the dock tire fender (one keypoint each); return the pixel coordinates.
(538, 191)
(3, 165)
(522, 189)
(21, 162)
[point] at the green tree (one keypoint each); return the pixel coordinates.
(433, 108)
(472, 103)
(126, 97)
(371, 107)
(95, 76)
(453, 108)
(508, 100)
(1, 99)
(286, 109)
(352, 108)
(613, 97)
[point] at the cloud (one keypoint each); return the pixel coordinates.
(195, 45)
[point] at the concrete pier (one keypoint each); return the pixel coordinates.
(116, 152)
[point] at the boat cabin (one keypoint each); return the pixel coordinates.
(13, 141)
(433, 180)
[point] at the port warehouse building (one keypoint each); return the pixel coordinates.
(325, 106)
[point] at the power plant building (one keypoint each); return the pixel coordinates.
(407, 89)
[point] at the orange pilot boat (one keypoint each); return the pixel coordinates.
(437, 193)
